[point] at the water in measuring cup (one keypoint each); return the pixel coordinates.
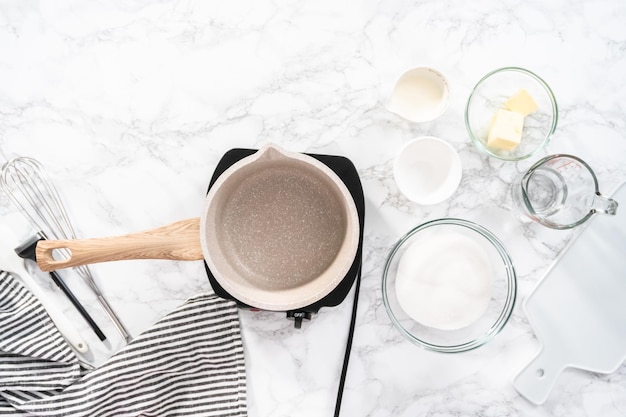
(546, 191)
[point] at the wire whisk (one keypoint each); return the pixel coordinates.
(27, 184)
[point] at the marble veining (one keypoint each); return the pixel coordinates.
(130, 105)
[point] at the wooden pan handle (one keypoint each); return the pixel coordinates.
(178, 241)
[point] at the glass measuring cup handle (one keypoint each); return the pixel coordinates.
(602, 204)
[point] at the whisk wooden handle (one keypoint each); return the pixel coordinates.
(177, 241)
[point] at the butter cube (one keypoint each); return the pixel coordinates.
(521, 102)
(505, 131)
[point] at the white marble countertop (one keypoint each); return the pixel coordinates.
(130, 105)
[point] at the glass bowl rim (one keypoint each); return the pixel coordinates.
(546, 87)
(511, 279)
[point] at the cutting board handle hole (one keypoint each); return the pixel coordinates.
(540, 373)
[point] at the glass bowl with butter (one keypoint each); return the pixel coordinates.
(511, 114)
(449, 285)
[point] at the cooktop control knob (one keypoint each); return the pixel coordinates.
(298, 316)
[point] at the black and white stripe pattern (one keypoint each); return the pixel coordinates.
(189, 363)
(34, 357)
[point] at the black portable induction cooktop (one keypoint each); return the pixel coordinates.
(346, 171)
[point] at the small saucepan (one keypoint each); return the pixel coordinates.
(279, 231)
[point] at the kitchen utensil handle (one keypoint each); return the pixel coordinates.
(116, 321)
(65, 327)
(177, 241)
(60, 320)
(538, 378)
(83, 312)
(85, 274)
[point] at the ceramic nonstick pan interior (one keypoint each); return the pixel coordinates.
(279, 231)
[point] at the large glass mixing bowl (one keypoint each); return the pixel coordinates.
(467, 240)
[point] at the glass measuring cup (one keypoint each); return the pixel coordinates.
(560, 192)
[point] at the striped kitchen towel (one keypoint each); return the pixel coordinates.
(191, 362)
(35, 360)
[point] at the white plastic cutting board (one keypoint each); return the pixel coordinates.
(578, 310)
